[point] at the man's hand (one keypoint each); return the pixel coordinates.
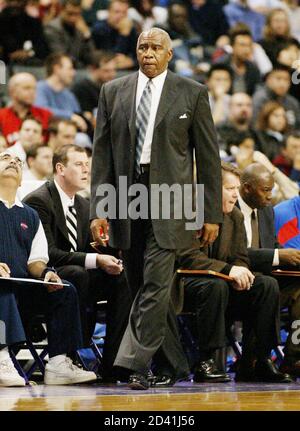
(289, 256)
(80, 123)
(51, 276)
(208, 234)
(109, 264)
(99, 228)
(4, 270)
(243, 278)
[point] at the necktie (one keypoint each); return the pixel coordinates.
(71, 222)
(255, 233)
(142, 120)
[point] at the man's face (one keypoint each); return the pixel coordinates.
(105, 72)
(219, 79)
(279, 82)
(76, 170)
(231, 185)
(292, 148)
(65, 71)
(242, 47)
(241, 108)
(66, 134)
(153, 53)
(260, 195)
(116, 13)
(43, 161)
(24, 91)
(279, 23)
(11, 167)
(178, 17)
(70, 14)
(30, 133)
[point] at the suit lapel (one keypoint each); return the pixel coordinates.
(128, 96)
(58, 209)
(167, 98)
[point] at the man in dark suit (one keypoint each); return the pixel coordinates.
(254, 300)
(265, 252)
(148, 125)
(96, 276)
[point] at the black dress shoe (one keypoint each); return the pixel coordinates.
(162, 381)
(138, 382)
(266, 371)
(207, 371)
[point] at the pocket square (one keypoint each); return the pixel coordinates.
(182, 116)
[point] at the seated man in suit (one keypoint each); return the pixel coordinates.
(24, 254)
(265, 252)
(254, 300)
(65, 217)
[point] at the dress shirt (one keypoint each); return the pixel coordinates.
(66, 201)
(157, 84)
(247, 211)
(39, 246)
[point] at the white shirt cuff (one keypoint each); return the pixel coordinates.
(90, 261)
(276, 257)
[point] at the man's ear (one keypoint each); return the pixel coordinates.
(59, 167)
(170, 55)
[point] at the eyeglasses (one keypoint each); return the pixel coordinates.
(8, 158)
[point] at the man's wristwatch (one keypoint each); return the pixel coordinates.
(48, 269)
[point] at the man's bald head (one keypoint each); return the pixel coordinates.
(22, 89)
(256, 186)
(155, 31)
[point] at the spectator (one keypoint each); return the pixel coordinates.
(276, 88)
(219, 81)
(293, 10)
(54, 94)
(289, 159)
(239, 11)
(276, 33)
(208, 20)
(146, 15)
(246, 75)
(92, 8)
(22, 92)
(22, 38)
(101, 70)
(69, 34)
(61, 132)
(271, 127)
(289, 55)
(117, 34)
(39, 161)
(287, 221)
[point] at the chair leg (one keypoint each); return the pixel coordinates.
(18, 366)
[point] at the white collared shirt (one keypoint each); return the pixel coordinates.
(247, 211)
(66, 201)
(39, 246)
(157, 84)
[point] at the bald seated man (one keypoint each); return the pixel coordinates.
(266, 254)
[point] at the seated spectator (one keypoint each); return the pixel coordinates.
(207, 20)
(22, 39)
(252, 299)
(69, 34)
(30, 134)
(293, 10)
(239, 11)
(117, 34)
(39, 161)
(246, 75)
(219, 81)
(48, 10)
(61, 132)
(95, 275)
(87, 90)
(22, 92)
(288, 161)
(241, 146)
(271, 127)
(289, 55)
(287, 223)
(91, 10)
(53, 93)
(28, 258)
(276, 33)
(146, 15)
(276, 88)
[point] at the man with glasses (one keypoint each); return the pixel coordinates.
(24, 254)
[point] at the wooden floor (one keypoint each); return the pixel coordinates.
(182, 397)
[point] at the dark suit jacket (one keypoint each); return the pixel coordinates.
(173, 142)
(46, 201)
(230, 249)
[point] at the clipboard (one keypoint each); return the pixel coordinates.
(32, 280)
(285, 273)
(206, 272)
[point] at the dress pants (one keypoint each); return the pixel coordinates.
(11, 327)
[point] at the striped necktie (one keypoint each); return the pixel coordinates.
(142, 120)
(255, 231)
(71, 222)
